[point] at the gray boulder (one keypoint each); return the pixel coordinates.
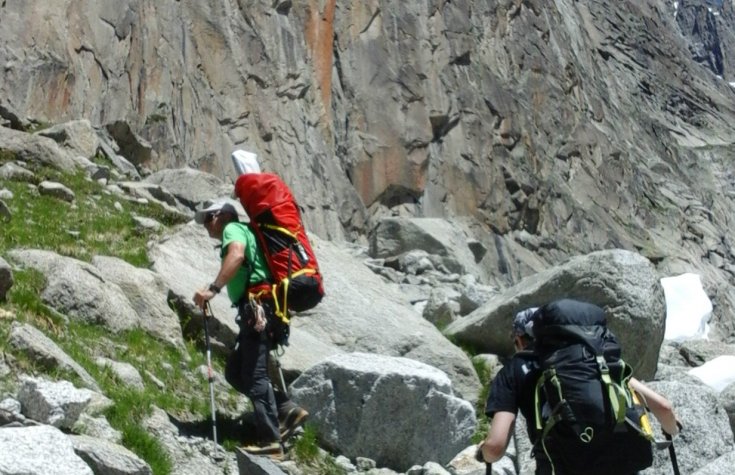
(30, 341)
(394, 236)
(126, 373)
(77, 136)
(146, 291)
(36, 149)
(56, 190)
(97, 427)
(439, 309)
(39, 450)
(79, 290)
(624, 283)
(108, 458)
(190, 186)
(255, 465)
(54, 403)
(397, 411)
(13, 172)
(698, 352)
(142, 192)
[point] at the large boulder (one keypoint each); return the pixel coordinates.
(624, 283)
(190, 186)
(78, 290)
(394, 236)
(39, 449)
(147, 293)
(77, 136)
(32, 342)
(361, 313)
(108, 458)
(396, 411)
(36, 149)
(54, 403)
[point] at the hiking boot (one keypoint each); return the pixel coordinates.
(293, 420)
(274, 450)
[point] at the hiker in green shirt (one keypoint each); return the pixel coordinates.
(244, 272)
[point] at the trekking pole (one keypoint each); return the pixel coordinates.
(210, 377)
(672, 454)
(280, 372)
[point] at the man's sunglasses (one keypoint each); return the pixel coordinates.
(209, 217)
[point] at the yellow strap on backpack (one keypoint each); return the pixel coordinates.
(645, 420)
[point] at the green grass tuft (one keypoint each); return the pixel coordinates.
(311, 459)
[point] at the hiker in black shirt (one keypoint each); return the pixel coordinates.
(513, 389)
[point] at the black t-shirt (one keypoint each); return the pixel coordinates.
(513, 390)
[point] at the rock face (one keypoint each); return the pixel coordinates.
(585, 124)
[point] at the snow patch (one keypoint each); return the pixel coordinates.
(688, 309)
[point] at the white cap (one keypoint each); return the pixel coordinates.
(219, 207)
(245, 162)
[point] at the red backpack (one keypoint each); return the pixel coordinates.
(276, 221)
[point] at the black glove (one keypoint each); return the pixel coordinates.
(478, 454)
(678, 425)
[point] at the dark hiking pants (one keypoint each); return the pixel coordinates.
(247, 372)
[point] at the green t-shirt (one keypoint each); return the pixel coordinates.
(241, 232)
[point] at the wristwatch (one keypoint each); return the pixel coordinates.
(213, 287)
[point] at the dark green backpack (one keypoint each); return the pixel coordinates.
(586, 414)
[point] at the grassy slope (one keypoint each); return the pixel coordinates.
(90, 226)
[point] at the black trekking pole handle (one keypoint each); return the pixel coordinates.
(480, 458)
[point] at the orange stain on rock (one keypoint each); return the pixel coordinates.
(319, 38)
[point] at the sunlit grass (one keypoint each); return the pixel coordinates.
(97, 222)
